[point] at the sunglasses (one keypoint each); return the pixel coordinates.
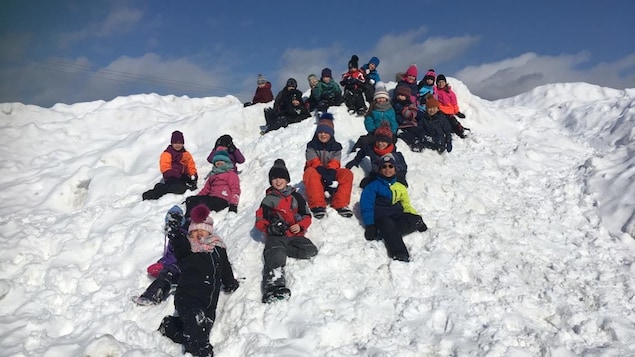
(388, 166)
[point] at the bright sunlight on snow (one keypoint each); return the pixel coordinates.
(529, 250)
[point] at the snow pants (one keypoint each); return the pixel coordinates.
(214, 203)
(159, 289)
(191, 327)
(172, 186)
(393, 228)
(341, 197)
(277, 249)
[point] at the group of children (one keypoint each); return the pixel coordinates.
(195, 258)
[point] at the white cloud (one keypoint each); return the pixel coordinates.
(120, 21)
(517, 75)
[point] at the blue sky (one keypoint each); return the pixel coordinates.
(75, 51)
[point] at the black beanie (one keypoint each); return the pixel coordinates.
(279, 170)
(354, 62)
(291, 82)
(441, 77)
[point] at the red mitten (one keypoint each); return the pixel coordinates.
(155, 269)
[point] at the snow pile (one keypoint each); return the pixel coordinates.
(525, 254)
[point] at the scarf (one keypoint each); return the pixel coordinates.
(226, 166)
(382, 107)
(206, 245)
(381, 152)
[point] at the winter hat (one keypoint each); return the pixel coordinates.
(380, 86)
(354, 62)
(388, 159)
(201, 219)
(224, 140)
(261, 79)
(441, 77)
(403, 90)
(325, 125)
(412, 71)
(432, 102)
(279, 170)
(381, 94)
(374, 60)
(383, 132)
(429, 75)
(177, 137)
(221, 155)
(326, 72)
(291, 82)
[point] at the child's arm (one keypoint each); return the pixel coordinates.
(230, 284)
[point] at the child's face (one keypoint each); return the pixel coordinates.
(326, 79)
(411, 79)
(261, 85)
(371, 66)
(432, 110)
(177, 146)
(295, 102)
(200, 235)
(324, 137)
(313, 82)
(441, 83)
(381, 100)
(219, 163)
(279, 183)
(429, 81)
(401, 97)
(388, 170)
(381, 145)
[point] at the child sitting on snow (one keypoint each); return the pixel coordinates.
(178, 170)
(386, 211)
(205, 271)
(222, 188)
(284, 217)
(449, 106)
(226, 143)
(323, 171)
(263, 92)
(383, 145)
(327, 92)
(288, 108)
(353, 82)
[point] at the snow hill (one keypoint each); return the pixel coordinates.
(529, 250)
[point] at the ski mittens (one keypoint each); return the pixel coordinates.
(233, 208)
(349, 165)
(231, 287)
(328, 175)
(460, 115)
(154, 269)
(448, 146)
(370, 233)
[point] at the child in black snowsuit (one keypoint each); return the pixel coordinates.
(353, 82)
(288, 108)
(205, 270)
(436, 133)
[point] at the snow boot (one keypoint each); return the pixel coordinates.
(276, 293)
(345, 212)
(319, 212)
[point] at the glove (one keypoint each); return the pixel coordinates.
(421, 225)
(349, 165)
(371, 81)
(328, 175)
(231, 287)
(460, 115)
(370, 233)
(233, 208)
(448, 146)
(154, 269)
(276, 228)
(191, 182)
(231, 147)
(245, 105)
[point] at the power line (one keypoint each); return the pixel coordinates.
(118, 76)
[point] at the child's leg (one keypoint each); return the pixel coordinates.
(392, 236)
(342, 196)
(409, 223)
(160, 288)
(196, 330)
(275, 258)
(314, 188)
(176, 186)
(157, 192)
(300, 248)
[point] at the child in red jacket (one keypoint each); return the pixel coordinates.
(284, 217)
